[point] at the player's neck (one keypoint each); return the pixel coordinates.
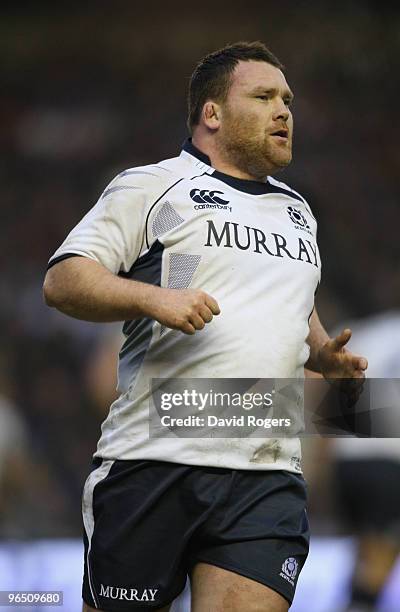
(219, 161)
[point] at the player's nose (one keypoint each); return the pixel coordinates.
(281, 111)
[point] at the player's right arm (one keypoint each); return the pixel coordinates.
(86, 280)
(85, 289)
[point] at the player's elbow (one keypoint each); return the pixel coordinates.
(52, 290)
(48, 292)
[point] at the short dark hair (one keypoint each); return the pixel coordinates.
(211, 78)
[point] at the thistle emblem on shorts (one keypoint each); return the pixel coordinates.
(289, 567)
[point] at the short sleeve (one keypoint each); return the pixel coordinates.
(111, 233)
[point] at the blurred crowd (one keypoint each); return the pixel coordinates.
(90, 91)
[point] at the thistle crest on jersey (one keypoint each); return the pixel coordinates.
(297, 217)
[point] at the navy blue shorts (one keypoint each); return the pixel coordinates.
(368, 494)
(147, 523)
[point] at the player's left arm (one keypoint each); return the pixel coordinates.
(329, 356)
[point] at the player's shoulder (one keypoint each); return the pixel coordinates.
(295, 194)
(151, 179)
(165, 170)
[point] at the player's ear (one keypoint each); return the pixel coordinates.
(211, 115)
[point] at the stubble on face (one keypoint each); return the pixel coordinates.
(250, 148)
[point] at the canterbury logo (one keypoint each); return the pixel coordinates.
(204, 195)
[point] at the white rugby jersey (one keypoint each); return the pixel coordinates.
(252, 246)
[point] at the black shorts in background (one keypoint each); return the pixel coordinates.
(147, 523)
(368, 494)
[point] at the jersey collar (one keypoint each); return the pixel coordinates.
(190, 148)
(196, 157)
(245, 185)
(248, 186)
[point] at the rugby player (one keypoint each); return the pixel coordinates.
(213, 266)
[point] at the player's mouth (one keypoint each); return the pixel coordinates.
(281, 135)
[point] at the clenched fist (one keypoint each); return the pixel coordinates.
(185, 309)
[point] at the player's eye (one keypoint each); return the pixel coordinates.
(263, 97)
(288, 101)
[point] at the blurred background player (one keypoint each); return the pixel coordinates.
(366, 472)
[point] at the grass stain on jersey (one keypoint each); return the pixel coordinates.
(269, 452)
